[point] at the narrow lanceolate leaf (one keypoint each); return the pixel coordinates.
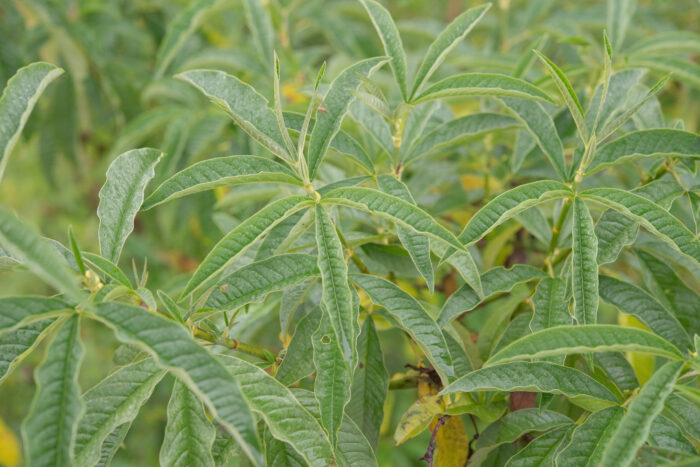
(496, 280)
(682, 70)
(510, 203)
(296, 363)
(618, 370)
(652, 216)
(179, 30)
(108, 268)
(634, 427)
(619, 15)
(646, 144)
(588, 440)
(632, 300)
(253, 282)
(15, 345)
(260, 24)
(518, 423)
(483, 84)
(370, 384)
(49, 430)
(16, 312)
(18, 98)
(412, 318)
(545, 377)
(540, 451)
(336, 290)
(567, 92)
(541, 127)
(396, 209)
(246, 107)
(336, 103)
(550, 304)
(240, 238)
(585, 267)
(332, 383)
(175, 350)
(458, 130)
(417, 245)
(121, 198)
(564, 340)
(219, 172)
(686, 413)
(283, 414)
(188, 434)
(665, 434)
(23, 243)
(445, 42)
(391, 40)
(113, 402)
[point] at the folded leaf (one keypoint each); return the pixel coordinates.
(550, 304)
(541, 450)
(260, 24)
(587, 441)
(516, 424)
(17, 344)
(296, 363)
(16, 312)
(585, 267)
(482, 84)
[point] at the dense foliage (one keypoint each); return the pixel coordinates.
(385, 243)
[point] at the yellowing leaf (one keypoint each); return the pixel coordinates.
(10, 452)
(417, 418)
(642, 363)
(452, 443)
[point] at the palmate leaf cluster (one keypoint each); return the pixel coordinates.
(542, 309)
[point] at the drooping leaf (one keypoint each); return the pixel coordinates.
(220, 172)
(296, 363)
(634, 427)
(17, 344)
(17, 312)
(550, 304)
(417, 418)
(545, 377)
(17, 102)
(260, 24)
(49, 429)
(631, 300)
(540, 451)
(447, 40)
(483, 84)
(413, 319)
(237, 240)
(585, 267)
(518, 423)
(175, 350)
(370, 384)
(113, 402)
(121, 197)
(587, 441)
(188, 434)
(253, 282)
(564, 340)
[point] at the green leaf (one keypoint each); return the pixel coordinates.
(247, 108)
(631, 300)
(396, 209)
(175, 350)
(111, 444)
(665, 434)
(618, 370)
(37, 254)
(540, 451)
(646, 144)
(682, 70)
(545, 377)
(179, 30)
(541, 127)
(336, 290)
(220, 172)
(564, 340)
(550, 304)
(687, 413)
(17, 102)
(17, 344)
(483, 84)
(567, 92)
(49, 429)
(253, 282)
(417, 245)
(412, 318)
(448, 39)
(587, 441)
(670, 42)
(391, 40)
(108, 268)
(121, 198)
(585, 267)
(240, 238)
(370, 384)
(336, 103)
(260, 24)
(280, 453)
(620, 13)
(652, 216)
(332, 383)
(493, 281)
(516, 424)
(188, 434)
(17, 312)
(113, 402)
(510, 203)
(296, 363)
(456, 131)
(621, 447)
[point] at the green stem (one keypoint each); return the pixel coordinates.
(232, 344)
(556, 232)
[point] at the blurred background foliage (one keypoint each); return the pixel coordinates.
(118, 93)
